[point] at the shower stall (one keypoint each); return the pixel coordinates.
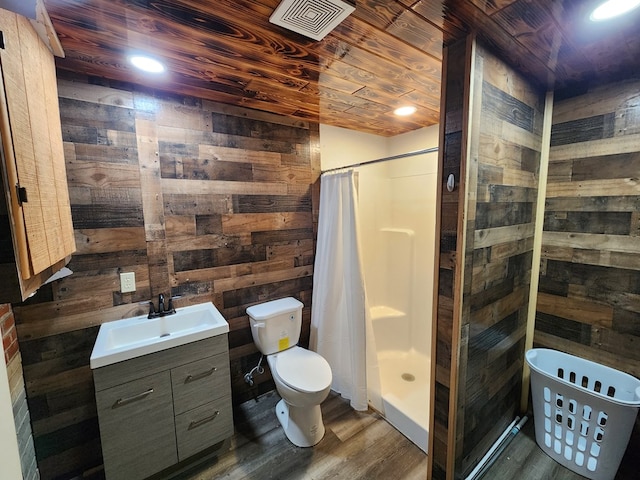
(397, 207)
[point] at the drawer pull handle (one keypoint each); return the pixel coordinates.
(193, 378)
(123, 401)
(197, 423)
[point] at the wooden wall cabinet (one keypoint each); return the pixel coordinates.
(36, 231)
(160, 409)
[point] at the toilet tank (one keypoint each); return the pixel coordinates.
(276, 325)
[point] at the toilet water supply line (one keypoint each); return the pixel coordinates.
(248, 377)
(497, 448)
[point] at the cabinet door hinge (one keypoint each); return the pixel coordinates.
(21, 192)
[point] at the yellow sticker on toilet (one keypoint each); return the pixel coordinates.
(283, 343)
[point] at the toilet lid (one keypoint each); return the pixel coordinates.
(303, 370)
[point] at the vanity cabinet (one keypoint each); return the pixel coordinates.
(160, 409)
(136, 427)
(36, 229)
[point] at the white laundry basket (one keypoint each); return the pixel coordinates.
(584, 412)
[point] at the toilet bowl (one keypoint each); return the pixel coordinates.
(302, 377)
(303, 380)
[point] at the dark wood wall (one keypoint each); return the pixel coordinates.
(455, 90)
(505, 144)
(484, 288)
(208, 202)
(589, 292)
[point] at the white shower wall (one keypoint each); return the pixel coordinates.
(395, 196)
(413, 193)
(397, 213)
(396, 210)
(374, 208)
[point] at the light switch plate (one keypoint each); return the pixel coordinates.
(127, 282)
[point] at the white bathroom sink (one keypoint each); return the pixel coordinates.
(136, 336)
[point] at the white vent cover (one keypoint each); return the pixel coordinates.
(312, 18)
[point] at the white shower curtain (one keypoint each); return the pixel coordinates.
(339, 310)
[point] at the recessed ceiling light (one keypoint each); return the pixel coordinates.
(613, 8)
(404, 111)
(146, 64)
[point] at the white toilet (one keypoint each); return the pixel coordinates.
(302, 377)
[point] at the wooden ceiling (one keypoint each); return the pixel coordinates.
(387, 54)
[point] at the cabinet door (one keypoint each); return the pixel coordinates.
(33, 149)
(137, 427)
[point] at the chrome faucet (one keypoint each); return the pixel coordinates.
(161, 312)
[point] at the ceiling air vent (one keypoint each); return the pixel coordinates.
(312, 18)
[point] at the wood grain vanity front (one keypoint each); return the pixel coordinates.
(162, 408)
(197, 383)
(206, 425)
(137, 428)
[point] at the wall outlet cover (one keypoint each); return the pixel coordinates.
(127, 282)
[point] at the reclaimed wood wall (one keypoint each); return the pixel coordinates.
(484, 296)
(455, 86)
(589, 292)
(207, 202)
(505, 144)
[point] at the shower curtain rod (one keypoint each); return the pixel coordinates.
(383, 159)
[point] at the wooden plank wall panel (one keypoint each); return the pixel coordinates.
(589, 293)
(505, 143)
(204, 201)
(492, 126)
(448, 274)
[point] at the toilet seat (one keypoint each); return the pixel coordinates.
(302, 369)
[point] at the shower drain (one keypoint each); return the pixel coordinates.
(407, 377)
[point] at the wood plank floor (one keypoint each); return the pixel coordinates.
(524, 460)
(358, 445)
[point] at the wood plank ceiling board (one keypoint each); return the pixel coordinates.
(386, 54)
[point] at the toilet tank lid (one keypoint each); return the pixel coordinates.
(264, 311)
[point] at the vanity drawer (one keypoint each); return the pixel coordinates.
(200, 382)
(203, 427)
(138, 367)
(137, 428)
